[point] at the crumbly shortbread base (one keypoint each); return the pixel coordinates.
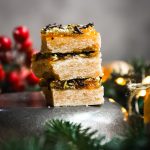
(69, 44)
(71, 68)
(74, 97)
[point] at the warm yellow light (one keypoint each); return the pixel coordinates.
(123, 110)
(120, 81)
(141, 93)
(146, 80)
(111, 100)
(125, 113)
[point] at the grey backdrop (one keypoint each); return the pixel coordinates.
(124, 24)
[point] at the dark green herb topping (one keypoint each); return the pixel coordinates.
(87, 25)
(78, 27)
(77, 30)
(51, 26)
(73, 28)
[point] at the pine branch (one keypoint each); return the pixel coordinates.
(31, 143)
(137, 140)
(58, 135)
(70, 136)
(63, 135)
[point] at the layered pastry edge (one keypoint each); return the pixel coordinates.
(69, 65)
(74, 97)
(73, 67)
(56, 39)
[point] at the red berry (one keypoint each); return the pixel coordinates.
(2, 73)
(32, 79)
(20, 86)
(5, 43)
(20, 34)
(13, 77)
(26, 45)
(16, 82)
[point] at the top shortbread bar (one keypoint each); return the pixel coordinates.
(70, 38)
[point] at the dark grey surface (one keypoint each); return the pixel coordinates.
(107, 119)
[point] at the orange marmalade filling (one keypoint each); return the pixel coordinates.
(87, 53)
(88, 83)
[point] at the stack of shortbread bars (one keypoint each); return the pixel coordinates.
(69, 65)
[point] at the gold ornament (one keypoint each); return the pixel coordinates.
(118, 66)
(147, 101)
(147, 107)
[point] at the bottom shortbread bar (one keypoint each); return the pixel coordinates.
(74, 97)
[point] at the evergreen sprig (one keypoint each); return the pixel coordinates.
(58, 135)
(30, 143)
(64, 135)
(69, 136)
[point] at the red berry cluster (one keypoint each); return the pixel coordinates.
(23, 42)
(16, 75)
(19, 80)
